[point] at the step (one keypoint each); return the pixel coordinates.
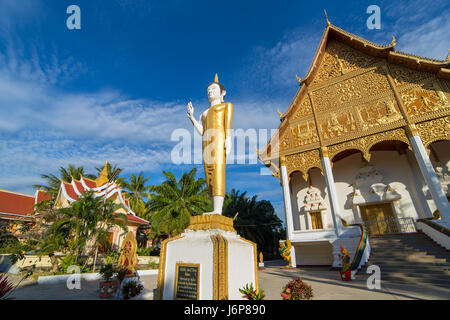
(408, 258)
(423, 266)
(389, 270)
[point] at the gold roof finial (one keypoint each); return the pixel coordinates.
(326, 17)
(298, 79)
(279, 113)
(393, 42)
(216, 78)
(103, 177)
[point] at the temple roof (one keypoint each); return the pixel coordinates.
(19, 206)
(101, 187)
(441, 68)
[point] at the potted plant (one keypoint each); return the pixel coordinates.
(252, 294)
(109, 285)
(296, 289)
(131, 289)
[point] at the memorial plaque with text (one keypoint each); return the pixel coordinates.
(187, 281)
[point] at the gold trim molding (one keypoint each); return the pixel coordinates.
(211, 221)
(220, 265)
(434, 130)
(162, 267)
(303, 162)
(365, 143)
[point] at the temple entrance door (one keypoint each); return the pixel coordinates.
(379, 218)
(316, 220)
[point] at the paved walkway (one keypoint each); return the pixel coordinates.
(326, 285)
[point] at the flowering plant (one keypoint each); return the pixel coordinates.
(251, 294)
(296, 289)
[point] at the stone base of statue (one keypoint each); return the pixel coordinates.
(208, 261)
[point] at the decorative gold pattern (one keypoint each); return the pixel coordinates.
(303, 109)
(403, 76)
(220, 273)
(434, 130)
(426, 99)
(339, 59)
(303, 162)
(304, 133)
(128, 256)
(211, 221)
(364, 144)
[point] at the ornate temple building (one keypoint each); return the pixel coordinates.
(21, 207)
(102, 187)
(365, 140)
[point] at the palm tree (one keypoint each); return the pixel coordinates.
(83, 224)
(54, 182)
(255, 220)
(137, 187)
(173, 202)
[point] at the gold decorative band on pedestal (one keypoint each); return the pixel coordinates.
(211, 221)
(220, 273)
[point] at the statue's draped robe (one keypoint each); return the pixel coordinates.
(217, 126)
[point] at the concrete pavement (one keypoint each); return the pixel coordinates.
(326, 285)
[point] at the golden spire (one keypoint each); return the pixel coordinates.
(393, 42)
(326, 17)
(216, 78)
(103, 177)
(298, 79)
(448, 56)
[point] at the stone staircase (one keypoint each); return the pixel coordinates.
(409, 259)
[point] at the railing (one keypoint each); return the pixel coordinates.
(390, 225)
(435, 226)
(362, 252)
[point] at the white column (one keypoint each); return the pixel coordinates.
(432, 180)
(308, 216)
(287, 206)
(332, 194)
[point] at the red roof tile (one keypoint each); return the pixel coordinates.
(80, 187)
(69, 189)
(90, 183)
(42, 196)
(135, 219)
(12, 202)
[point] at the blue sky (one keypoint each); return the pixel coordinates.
(116, 89)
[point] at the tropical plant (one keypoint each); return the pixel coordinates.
(173, 202)
(5, 285)
(85, 222)
(131, 289)
(252, 294)
(254, 220)
(108, 271)
(137, 187)
(296, 289)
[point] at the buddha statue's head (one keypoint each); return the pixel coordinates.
(215, 90)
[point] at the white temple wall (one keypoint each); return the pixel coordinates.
(400, 171)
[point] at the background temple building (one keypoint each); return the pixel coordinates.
(102, 187)
(365, 140)
(21, 207)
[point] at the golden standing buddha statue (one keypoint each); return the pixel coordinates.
(214, 126)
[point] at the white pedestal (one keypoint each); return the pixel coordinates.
(226, 263)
